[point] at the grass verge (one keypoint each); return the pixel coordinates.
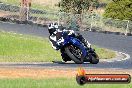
(54, 83)
(36, 5)
(24, 48)
(104, 53)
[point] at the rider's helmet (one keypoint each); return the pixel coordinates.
(52, 28)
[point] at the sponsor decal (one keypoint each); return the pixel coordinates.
(83, 78)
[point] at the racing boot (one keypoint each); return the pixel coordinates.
(84, 41)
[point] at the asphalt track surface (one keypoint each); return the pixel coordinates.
(115, 42)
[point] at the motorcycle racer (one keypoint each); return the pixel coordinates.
(56, 38)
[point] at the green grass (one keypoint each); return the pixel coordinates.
(25, 48)
(104, 53)
(48, 8)
(105, 1)
(34, 5)
(54, 83)
(46, 16)
(15, 48)
(13, 2)
(44, 7)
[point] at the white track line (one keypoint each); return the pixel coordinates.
(127, 56)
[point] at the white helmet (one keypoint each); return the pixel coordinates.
(52, 27)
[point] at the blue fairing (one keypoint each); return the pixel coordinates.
(75, 42)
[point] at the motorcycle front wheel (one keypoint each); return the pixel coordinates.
(74, 53)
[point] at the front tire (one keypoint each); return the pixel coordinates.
(77, 59)
(65, 57)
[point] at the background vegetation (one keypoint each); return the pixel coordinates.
(119, 9)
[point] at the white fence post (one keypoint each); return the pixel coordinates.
(127, 28)
(91, 24)
(27, 13)
(59, 18)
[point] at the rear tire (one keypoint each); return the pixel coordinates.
(74, 58)
(94, 59)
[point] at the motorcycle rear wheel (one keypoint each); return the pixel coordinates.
(94, 59)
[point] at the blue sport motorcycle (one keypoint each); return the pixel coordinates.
(73, 49)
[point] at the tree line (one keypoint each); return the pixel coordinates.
(116, 9)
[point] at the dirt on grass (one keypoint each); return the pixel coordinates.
(34, 73)
(46, 2)
(4, 14)
(37, 73)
